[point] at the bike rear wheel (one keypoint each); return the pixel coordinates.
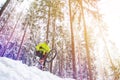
(51, 55)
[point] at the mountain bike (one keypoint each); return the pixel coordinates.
(49, 57)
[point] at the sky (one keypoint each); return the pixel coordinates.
(16, 70)
(111, 15)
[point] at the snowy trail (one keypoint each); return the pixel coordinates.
(15, 70)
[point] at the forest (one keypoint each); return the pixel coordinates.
(75, 28)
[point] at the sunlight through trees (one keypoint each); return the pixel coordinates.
(75, 28)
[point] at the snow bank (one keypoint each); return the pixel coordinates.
(15, 70)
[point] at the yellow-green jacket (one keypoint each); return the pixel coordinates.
(43, 47)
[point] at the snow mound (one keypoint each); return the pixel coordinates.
(16, 70)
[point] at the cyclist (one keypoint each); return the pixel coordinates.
(42, 49)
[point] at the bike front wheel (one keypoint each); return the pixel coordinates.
(51, 55)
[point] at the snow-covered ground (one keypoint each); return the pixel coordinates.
(15, 70)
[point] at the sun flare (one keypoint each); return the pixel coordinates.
(110, 10)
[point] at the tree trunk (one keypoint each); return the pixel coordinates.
(4, 6)
(86, 41)
(18, 54)
(53, 42)
(61, 61)
(47, 32)
(72, 43)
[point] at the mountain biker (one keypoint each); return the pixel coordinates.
(42, 49)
